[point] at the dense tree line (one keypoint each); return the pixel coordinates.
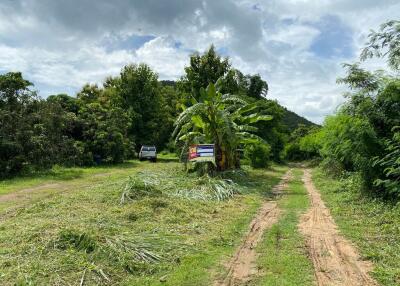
(363, 137)
(109, 123)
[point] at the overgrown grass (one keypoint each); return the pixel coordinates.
(86, 234)
(283, 259)
(372, 224)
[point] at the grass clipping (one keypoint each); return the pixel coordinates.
(133, 253)
(205, 188)
(136, 188)
(208, 188)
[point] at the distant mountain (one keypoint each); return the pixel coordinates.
(168, 83)
(292, 120)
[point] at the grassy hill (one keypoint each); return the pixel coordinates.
(292, 120)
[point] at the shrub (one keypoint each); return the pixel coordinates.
(258, 154)
(391, 165)
(292, 152)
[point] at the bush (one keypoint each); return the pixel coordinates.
(390, 163)
(292, 152)
(258, 155)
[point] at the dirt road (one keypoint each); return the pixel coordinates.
(242, 267)
(336, 261)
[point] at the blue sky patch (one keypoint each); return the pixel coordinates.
(335, 39)
(132, 42)
(223, 51)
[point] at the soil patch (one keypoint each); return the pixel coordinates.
(242, 267)
(336, 261)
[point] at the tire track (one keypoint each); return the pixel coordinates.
(242, 267)
(336, 261)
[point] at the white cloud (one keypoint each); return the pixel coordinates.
(59, 45)
(161, 55)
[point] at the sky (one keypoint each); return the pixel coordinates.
(297, 46)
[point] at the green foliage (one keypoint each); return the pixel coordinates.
(361, 137)
(33, 132)
(304, 143)
(104, 125)
(210, 67)
(258, 155)
(203, 70)
(386, 42)
(224, 120)
(390, 163)
(108, 123)
(352, 142)
(81, 241)
(139, 90)
(292, 120)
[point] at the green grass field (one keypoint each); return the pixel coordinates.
(74, 228)
(85, 233)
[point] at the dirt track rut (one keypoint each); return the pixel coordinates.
(336, 261)
(242, 267)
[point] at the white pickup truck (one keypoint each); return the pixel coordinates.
(148, 153)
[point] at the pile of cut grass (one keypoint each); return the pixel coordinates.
(146, 184)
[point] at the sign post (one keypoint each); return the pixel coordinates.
(202, 153)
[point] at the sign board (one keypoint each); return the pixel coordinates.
(202, 153)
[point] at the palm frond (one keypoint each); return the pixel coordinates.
(247, 128)
(187, 114)
(229, 98)
(248, 138)
(255, 117)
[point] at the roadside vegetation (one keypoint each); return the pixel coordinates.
(363, 138)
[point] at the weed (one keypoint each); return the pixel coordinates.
(158, 204)
(79, 240)
(209, 188)
(136, 188)
(133, 255)
(133, 217)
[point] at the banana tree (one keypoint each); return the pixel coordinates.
(223, 119)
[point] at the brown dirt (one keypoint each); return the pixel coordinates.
(25, 192)
(28, 192)
(26, 196)
(242, 266)
(336, 261)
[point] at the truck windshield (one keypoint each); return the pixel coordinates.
(149, 148)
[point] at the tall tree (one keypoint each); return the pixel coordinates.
(140, 92)
(203, 70)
